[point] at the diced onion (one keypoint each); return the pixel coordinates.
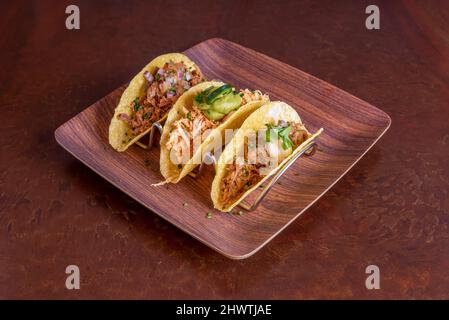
(188, 76)
(148, 76)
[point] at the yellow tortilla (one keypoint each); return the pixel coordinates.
(136, 89)
(169, 170)
(269, 113)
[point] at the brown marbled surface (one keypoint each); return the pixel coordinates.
(391, 209)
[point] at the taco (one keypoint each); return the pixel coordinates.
(197, 123)
(149, 97)
(267, 139)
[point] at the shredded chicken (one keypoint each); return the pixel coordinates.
(164, 88)
(298, 134)
(238, 179)
(255, 95)
(186, 129)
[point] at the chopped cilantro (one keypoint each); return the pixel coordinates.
(281, 133)
(198, 98)
(201, 97)
(137, 105)
(235, 213)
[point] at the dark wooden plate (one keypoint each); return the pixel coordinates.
(351, 128)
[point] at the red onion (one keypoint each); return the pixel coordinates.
(160, 71)
(180, 74)
(148, 76)
(170, 95)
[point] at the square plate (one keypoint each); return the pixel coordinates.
(351, 128)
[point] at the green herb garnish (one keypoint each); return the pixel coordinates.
(158, 77)
(137, 105)
(209, 215)
(189, 116)
(279, 132)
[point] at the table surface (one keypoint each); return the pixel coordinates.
(390, 210)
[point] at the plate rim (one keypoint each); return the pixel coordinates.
(58, 133)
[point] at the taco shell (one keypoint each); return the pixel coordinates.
(136, 88)
(269, 113)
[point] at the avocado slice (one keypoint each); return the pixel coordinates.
(214, 115)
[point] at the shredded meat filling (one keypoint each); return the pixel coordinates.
(238, 179)
(252, 95)
(163, 89)
(185, 130)
(298, 134)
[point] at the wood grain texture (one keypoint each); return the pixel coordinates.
(351, 127)
(391, 209)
